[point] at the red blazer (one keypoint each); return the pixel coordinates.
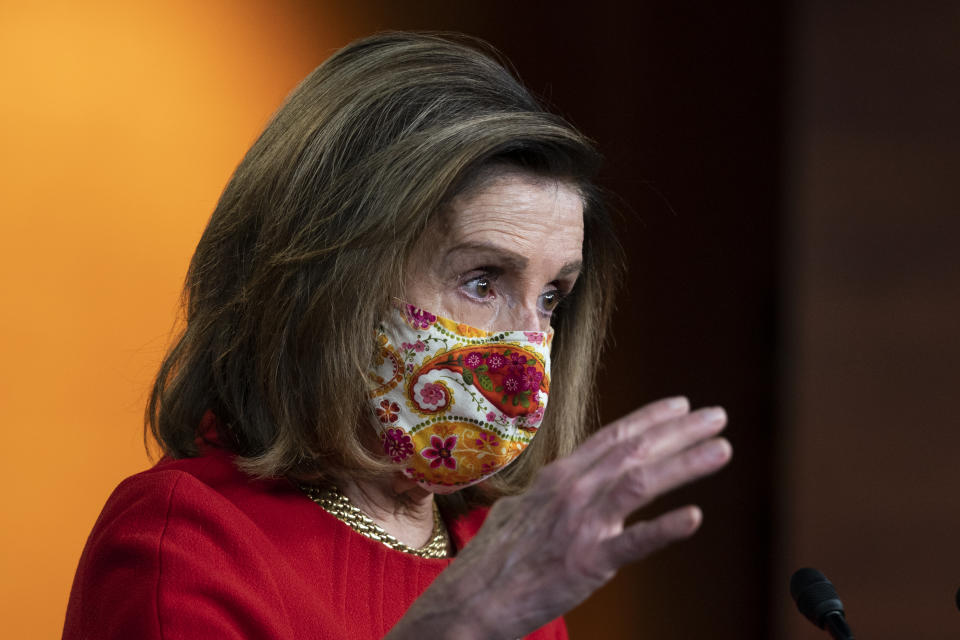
(195, 548)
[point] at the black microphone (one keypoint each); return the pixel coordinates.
(818, 601)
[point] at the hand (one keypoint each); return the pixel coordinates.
(540, 554)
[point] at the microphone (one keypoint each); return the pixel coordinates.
(818, 601)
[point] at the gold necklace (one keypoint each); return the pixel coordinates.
(334, 502)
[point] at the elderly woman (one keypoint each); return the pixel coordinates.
(372, 421)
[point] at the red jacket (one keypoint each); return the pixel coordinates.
(194, 548)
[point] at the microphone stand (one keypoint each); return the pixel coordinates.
(836, 625)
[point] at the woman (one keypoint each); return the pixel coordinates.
(372, 315)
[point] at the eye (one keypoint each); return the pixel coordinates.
(479, 287)
(551, 300)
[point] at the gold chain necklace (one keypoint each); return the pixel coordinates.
(334, 502)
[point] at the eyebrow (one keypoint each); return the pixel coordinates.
(510, 259)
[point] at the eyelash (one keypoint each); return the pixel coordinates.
(491, 275)
(487, 273)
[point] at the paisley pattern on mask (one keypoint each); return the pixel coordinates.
(454, 404)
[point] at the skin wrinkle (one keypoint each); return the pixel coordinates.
(472, 251)
(535, 229)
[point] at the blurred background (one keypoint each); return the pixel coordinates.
(789, 183)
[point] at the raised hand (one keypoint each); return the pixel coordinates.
(541, 553)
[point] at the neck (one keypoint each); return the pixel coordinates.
(401, 507)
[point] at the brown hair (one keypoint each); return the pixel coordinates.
(310, 239)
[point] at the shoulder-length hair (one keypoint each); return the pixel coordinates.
(310, 240)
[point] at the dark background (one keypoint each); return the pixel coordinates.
(790, 188)
(685, 102)
(788, 191)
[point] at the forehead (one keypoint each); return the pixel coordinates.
(526, 213)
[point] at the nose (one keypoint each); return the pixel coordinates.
(524, 317)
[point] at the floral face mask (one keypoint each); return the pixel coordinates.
(454, 404)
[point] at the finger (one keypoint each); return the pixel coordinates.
(627, 427)
(644, 538)
(643, 483)
(658, 442)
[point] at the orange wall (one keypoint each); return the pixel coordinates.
(119, 126)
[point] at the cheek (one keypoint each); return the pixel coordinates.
(447, 301)
(422, 290)
(470, 313)
(425, 289)
(421, 285)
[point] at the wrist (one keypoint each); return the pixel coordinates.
(448, 611)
